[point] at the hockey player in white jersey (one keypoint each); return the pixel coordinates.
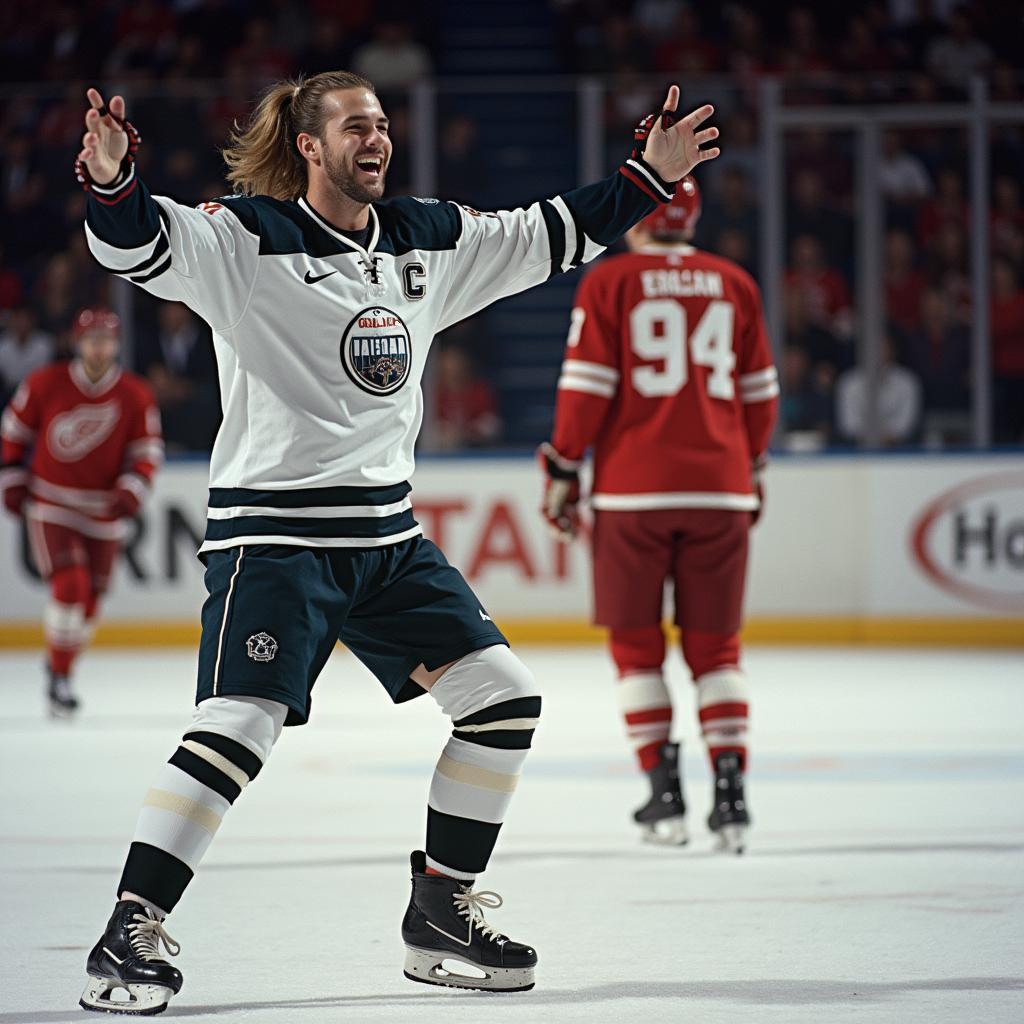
(323, 300)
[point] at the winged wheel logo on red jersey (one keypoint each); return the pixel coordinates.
(77, 432)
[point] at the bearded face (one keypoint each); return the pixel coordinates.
(355, 148)
(360, 177)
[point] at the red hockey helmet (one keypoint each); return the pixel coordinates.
(678, 216)
(95, 318)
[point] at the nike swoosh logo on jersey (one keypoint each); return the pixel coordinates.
(309, 279)
(467, 942)
(485, 617)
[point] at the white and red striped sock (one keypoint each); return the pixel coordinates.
(723, 700)
(647, 711)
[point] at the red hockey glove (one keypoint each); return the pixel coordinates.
(757, 477)
(123, 503)
(561, 493)
(15, 498)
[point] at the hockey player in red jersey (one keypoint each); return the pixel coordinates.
(81, 442)
(668, 376)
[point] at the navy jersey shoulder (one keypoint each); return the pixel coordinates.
(282, 226)
(407, 223)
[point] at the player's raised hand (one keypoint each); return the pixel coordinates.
(105, 141)
(674, 150)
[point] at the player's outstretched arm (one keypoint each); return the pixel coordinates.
(673, 147)
(205, 259)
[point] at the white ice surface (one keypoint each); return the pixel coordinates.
(885, 879)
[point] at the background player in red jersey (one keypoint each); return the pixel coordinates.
(668, 376)
(81, 442)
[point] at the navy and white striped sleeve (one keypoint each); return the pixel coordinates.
(205, 257)
(500, 254)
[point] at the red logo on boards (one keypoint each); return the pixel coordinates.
(970, 541)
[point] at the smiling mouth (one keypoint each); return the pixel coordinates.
(371, 165)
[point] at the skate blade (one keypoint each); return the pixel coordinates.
(436, 967)
(667, 832)
(731, 839)
(61, 711)
(142, 1001)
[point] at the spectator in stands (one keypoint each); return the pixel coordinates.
(627, 101)
(905, 181)
(730, 207)
(466, 408)
(954, 57)
(392, 59)
(58, 295)
(1007, 219)
(687, 50)
(861, 50)
(143, 30)
(1007, 327)
(460, 166)
(260, 53)
(745, 57)
(948, 268)
(23, 348)
(939, 350)
(178, 175)
(613, 43)
(914, 32)
(904, 282)
(743, 153)
(328, 46)
(802, 57)
(11, 288)
(947, 206)
(812, 212)
(177, 360)
(735, 245)
(820, 344)
(828, 298)
(807, 403)
(898, 402)
(29, 224)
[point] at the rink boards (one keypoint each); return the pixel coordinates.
(883, 549)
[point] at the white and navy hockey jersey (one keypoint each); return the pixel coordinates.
(321, 343)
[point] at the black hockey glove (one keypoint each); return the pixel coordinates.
(560, 505)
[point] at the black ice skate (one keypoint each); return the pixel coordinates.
(63, 703)
(448, 942)
(127, 961)
(663, 817)
(729, 818)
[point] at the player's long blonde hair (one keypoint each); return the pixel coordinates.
(261, 155)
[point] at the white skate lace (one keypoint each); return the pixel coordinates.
(470, 905)
(145, 936)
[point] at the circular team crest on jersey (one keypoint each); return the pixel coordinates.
(376, 351)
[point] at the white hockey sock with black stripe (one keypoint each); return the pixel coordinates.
(223, 750)
(493, 701)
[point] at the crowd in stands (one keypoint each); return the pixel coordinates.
(193, 67)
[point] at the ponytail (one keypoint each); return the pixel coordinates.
(262, 157)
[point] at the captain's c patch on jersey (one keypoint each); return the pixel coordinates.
(376, 351)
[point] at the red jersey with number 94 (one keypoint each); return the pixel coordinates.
(668, 375)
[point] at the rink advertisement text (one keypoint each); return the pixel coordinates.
(851, 539)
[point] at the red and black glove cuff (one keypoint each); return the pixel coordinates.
(127, 161)
(638, 170)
